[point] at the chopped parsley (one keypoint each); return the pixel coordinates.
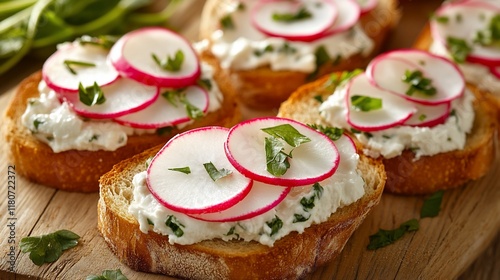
(71, 63)
(268, 48)
(287, 49)
(92, 95)
(164, 130)
(37, 123)
(94, 137)
(48, 248)
(275, 224)
(170, 64)
(215, 173)
(185, 170)
(318, 98)
(205, 83)
(365, 103)
(490, 36)
(179, 96)
(226, 22)
(418, 83)
(459, 49)
(301, 14)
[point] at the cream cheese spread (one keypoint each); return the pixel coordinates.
(345, 187)
(244, 47)
(424, 141)
(57, 125)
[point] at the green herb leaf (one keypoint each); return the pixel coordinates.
(418, 83)
(490, 36)
(287, 49)
(276, 160)
(337, 79)
(275, 224)
(301, 14)
(318, 190)
(37, 123)
(103, 41)
(175, 226)
(288, 133)
(164, 130)
(205, 83)
(268, 48)
(365, 103)
(170, 64)
(215, 173)
(386, 237)
(108, 275)
(48, 248)
(432, 205)
(71, 63)
(179, 96)
(226, 22)
(334, 133)
(442, 19)
(322, 57)
(298, 218)
(92, 95)
(459, 49)
(318, 98)
(185, 170)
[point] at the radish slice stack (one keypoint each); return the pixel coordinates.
(177, 178)
(403, 87)
(466, 26)
(129, 78)
(306, 21)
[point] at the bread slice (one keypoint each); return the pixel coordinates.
(291, 257)
(76, 170)
(405, 175)
(263, 88)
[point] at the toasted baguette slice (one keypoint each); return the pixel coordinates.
(263, 88)
(405, 175)
(291, 257)
(76, 170)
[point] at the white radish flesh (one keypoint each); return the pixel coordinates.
(163, 113)
(57, 69)
(446, 77)
(429, 116)
(123, 97)
(323, 15)
(465, 20)
(312, 161)
(132, 56)
(395, 110)
(348, 16)
(261, 198)
(196, 192)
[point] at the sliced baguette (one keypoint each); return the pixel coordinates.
(263, 88)
(76, 170)
(405, 175)
(291, 257)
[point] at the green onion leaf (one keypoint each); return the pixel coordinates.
(92, 95)
(71, 63)
(48, 248)
(365, 103)
(185, 170)
(215, 173)
(432, 205)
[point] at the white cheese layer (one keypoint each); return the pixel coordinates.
(244, 47)
(57, 125)
(345, 187)
(424, 141)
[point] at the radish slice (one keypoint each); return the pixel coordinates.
(196, 192)
(367, 5)
(311, 162)
(260, 199)
(123, 97)
(59, 76)
(163, 113)
(429, 116)
(446, 77)
(322, 16)
(348, 16)
(395, 109)
(478, 16)
(132, 56)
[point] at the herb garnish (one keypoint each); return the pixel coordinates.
(268, 48)
(171, 64)
(318, 98)
(365, 103)
(459, 49)
(103, 41)
(287, 49)
(37, 123)
(164, 130)
(174, 225)
(418, 83)
(422, 117)
(432, 205)
(94, 137)
(108, 275)
(386, 237)
(205, 83)
(490, 36)
(215, 173)
(227, 22)
(322, 57)
(288, 133)
(48, 248)
(275, 224)
(334, 133)
(179, 96)
(92, 95)
(441, 19)
(70, 63)
(336, 79)
(185, 170)
(308, 203)
(301, 14)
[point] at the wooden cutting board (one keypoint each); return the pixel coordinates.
(443, 248)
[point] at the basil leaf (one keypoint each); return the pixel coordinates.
(185, 170)
(418, 83)
(459, 49)
(92, 95)
(215, 173)
(288, 133)
(48, 248)
(179, 96)
(170, 64)
(175, 226)
(70, 63)
(386, 237)
(276, 161)
(366, 103)
(334, 133)
(432, 205)
(108, 275)
(301, 14)
(275, 224)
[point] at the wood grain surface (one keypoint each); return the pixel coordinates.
(462, 242)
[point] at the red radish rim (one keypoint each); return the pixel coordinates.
(213, 208)
(163, 124)
(128, 70)
(368, 6)
(495, 71)
(277, 181)
(302, 37)
(334, 30)
(435, 121)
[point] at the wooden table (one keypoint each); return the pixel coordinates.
(463, 242)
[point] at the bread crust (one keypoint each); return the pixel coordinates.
(76, 170)
(405, 174)
(291, 257)
(263, 88)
